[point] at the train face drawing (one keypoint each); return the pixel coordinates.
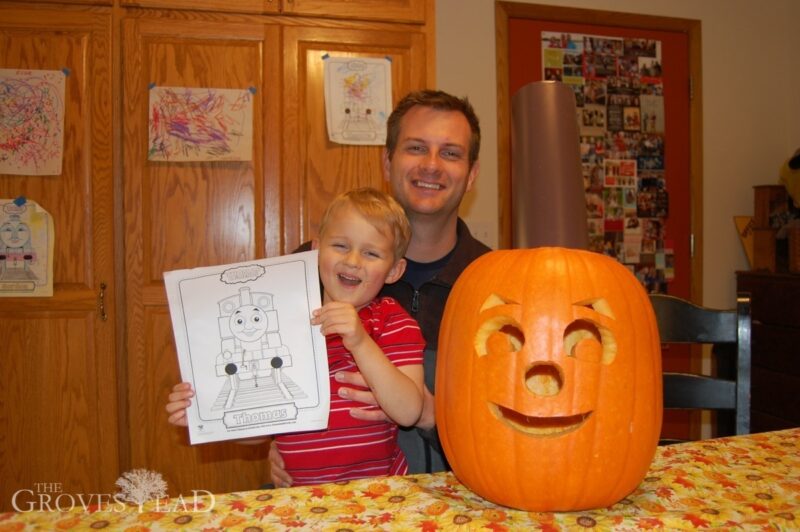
(252, 355)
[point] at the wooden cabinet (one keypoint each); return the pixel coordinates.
(58, 389)
(394, 10)
(77, 2)
(83, 397)
(236, 6)
(415, 11)
(775, 300)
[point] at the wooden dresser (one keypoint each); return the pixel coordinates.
(776, 348)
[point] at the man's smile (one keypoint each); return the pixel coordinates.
(427, 185)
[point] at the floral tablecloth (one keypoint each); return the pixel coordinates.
(752, 482)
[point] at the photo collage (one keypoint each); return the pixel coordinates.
(620, 111)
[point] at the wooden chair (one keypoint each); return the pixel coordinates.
(680, 321)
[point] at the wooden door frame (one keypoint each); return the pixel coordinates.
(692, 29)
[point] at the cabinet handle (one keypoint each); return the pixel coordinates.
(101, 302)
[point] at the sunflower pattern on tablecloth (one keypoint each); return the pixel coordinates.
(750, 482)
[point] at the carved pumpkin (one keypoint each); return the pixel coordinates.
(548, 379)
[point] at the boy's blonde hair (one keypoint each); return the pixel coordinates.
(380, 209)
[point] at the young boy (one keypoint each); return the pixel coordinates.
(362, 239)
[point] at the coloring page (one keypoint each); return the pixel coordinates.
(245, 341)
(358, 99)
(31, 121)
(200, 124)
(26, 249)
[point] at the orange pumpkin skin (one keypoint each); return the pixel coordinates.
(548, 379)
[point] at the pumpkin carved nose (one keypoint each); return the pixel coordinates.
(543, 379)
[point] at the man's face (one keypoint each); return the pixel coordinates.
(429, 171)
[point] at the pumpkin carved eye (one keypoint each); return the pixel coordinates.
(501, 333)
(499, 336)
(588, 340)
(582, 340)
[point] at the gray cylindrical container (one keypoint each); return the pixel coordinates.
(548, 200)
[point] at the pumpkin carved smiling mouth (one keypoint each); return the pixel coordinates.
(538, 426)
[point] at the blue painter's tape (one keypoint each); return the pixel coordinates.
(20, 201)
(66, 71)
(151, 85)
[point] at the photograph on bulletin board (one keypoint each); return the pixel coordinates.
(620, 111)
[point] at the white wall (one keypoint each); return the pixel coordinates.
(751, 107)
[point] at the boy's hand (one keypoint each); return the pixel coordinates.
(179, 401)
(342, 319)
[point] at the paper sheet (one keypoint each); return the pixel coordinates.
(245, 342)
(31, 121)
(358, 99)
(200, 124)
(27, 238)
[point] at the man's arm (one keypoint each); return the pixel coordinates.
(427, 420)
(277, 468)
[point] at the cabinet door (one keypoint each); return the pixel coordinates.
(58, 388)
(84, 2)
(316, 169)
(189, 214)
(236, 6)
(391, 10)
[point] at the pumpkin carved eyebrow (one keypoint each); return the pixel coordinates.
(495, 300)
(598, 305)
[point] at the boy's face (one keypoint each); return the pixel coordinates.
(355, 259)
(429, 172)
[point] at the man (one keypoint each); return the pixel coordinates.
(430, 162)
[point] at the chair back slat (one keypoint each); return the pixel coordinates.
(680, 321)
(683, 322)
(684, 390)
